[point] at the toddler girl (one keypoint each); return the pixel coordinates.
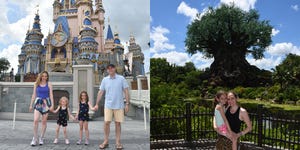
(63, 112)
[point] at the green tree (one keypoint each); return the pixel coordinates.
(288, 72)
(161, 69)
(228, 34)
(4, 64)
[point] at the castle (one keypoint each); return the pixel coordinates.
(78, 39)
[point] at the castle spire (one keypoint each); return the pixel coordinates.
(109, 32)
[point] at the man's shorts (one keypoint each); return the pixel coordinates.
(117, 113)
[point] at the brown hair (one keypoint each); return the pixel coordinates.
(87, 96)
(64, 98)
(234, 94)
(39, 78)
(217, 96)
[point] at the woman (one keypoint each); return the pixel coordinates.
(41, 102)
(235, 116)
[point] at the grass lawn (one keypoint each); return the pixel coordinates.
(266, 104)
(269, 104)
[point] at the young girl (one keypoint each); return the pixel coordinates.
(63, 112)
(83, 116)
(220, 122)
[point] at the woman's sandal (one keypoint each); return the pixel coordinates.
(103, 145)
(119, 146)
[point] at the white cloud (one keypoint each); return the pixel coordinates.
(243, 4)
(275, 31)
(160, 41)
(174, 57)
(11, 53)
(201, 61)
(295, 7)
(15, 32)
(180, 58)
(275, 55)
(265, 63)
(186, 10)
(283, 48)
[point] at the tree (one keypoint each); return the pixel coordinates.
(4, 64)
(228, 34)
(160, 68)
(288, 72)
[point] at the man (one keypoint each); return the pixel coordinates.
(113, 86)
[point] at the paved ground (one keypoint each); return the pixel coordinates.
(134, 136)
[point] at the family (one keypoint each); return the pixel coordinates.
(227, 120)
(112, 87)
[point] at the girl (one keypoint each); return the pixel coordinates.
(41, 102)
(221, 124)
(63, 112)
(83, 116)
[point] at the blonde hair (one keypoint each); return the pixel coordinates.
(39, 78)
(64, 98)
(87, 96)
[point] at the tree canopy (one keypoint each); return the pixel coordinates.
(4, 64)
(228, 34)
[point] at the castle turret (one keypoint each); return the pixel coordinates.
(99, 13)
(118, 52)
(56, 9)
(137, 57)
(109, 41)
(87, 43)
(34, 47)
(99, 6)
(84, 8)
(22, 56)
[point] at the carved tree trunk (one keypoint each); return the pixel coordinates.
(232, 69)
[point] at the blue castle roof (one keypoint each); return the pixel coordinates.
(36, 24)
(117, 41)
(64, 22)
(109, 33)
(87, 21)
(87, 39)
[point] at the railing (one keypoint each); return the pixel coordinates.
(190, 126)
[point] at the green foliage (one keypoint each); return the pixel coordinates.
(228, 28)
(4, 64)
(288, 72)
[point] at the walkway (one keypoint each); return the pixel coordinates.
(134, 136)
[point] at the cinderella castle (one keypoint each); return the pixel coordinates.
(78, 39)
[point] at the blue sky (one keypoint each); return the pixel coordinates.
(169, 20)
(17, 15)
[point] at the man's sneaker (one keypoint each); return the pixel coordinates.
(86, 142)
(78, 142)
(33, 142)
(41, 141)
(67, 141)
(55, 141)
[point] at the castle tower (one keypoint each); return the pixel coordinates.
(22, 56)
(118, 52)
(99, 14)
(109, 41)
(136, 57)
(87, 43)
(56, 9)
(33, 48)
(84, 8)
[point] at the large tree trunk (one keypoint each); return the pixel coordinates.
(232, 69)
